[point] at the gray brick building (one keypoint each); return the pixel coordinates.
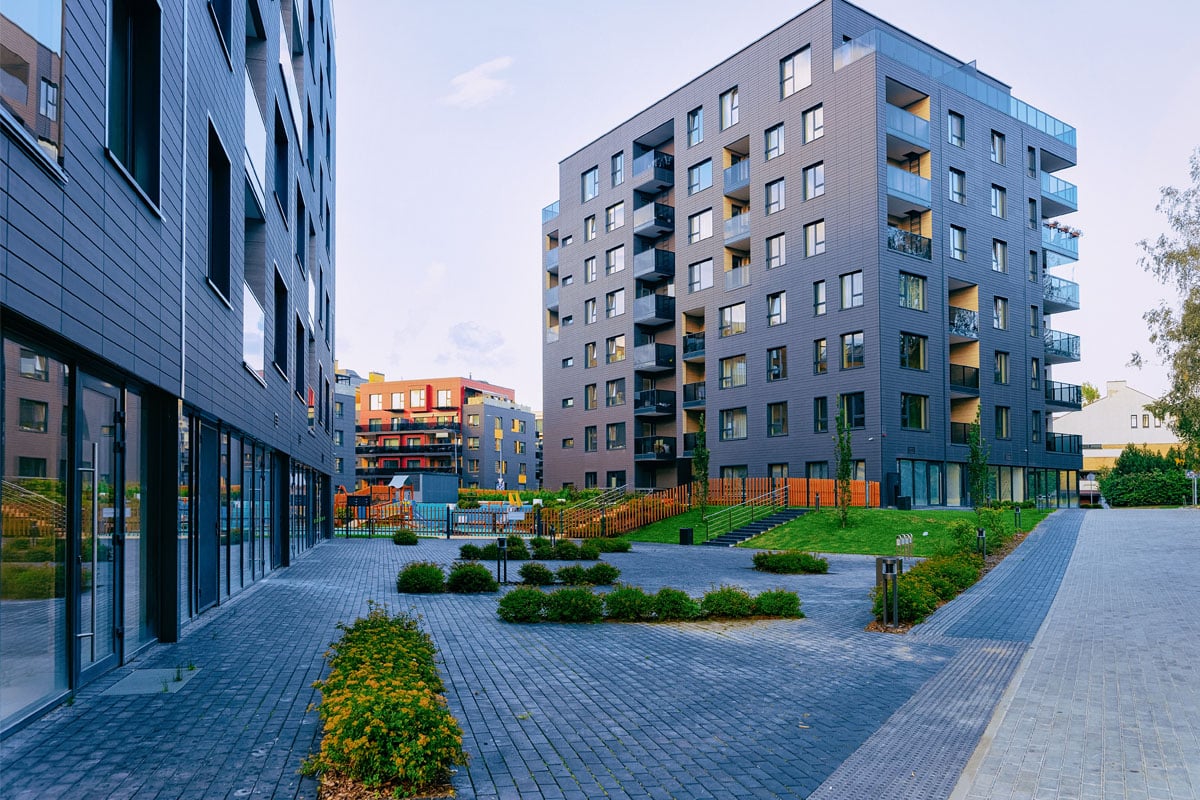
(838, 216)
(167, 360)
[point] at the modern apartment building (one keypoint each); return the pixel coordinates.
(461, 426)
(837, 217)
(166, 361)
(345, 417)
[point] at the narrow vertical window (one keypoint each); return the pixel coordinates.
(729, 108)
(956, 129)
(134, 87)
(219, 209)
(795, 72)
(281, 324)
(814, 123)
(695, 126)
(281, 164)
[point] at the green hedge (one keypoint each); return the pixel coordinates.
(1146, 489)
(790, 562)
(930, 583)
(631, 604)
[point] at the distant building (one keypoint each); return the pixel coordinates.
(345, 412)
(1118, 419)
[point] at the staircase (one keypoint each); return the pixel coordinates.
(755, 528)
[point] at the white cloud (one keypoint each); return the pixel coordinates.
(479, 85)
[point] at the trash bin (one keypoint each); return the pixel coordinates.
(904, 503)
(685, 536)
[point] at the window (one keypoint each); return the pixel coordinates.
(568, 443)
(375, 402)
(912, 291)
(914, 412)
(729, 108)
(568, 280)
(818, 298)
(795, 72)
(958, 243)
(852, 350)
(589, 355)
(219, 213)
(814, 180)
(589, 228)
(134, 89)
(614, 392)
(445, 398)
(398, 403)
(1001, 372)
(1034, 271)
(568, 402)
(618, 168)
(733, 372)
(34, 365)
(339, 409)
(700, 176)
(1145, 420)
(999, 256)
(568, 240)
(777, 471)
(733, 320)
(999, 202)
(777, 419)
(958, 185)
(416, 398)
(854, 409)
(1132, 419)
(1035, 373)
(280, 356)
(852, 289)
(589, 439)
(472, 419)
(1031, 161)
(1002, 429)
(956, 128)
(700, 226)
(589, 480)
(589, 269)
(814, 123)
(820, 357)
(774, 198)
(614, 436)
(1033, 214)
(589, 397)
(1035, 426)
(814, 238)
(472, 442)
(614, 217)
(777, 308)
(695, 126)
(282, 193)
(776, 364)
(614, 303)
(48, 100)
(776, 251)
(700, 275)
(998, 147)
(589, 311)
(1035, 321)
(733, 424)
(773, 141)
(590, 184)
(820, 415)
(614, 349)
(912, 351)
(568, 362)
(614, 260)
(34, 416)
(1000, 314)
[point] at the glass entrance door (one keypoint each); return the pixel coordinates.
(99, 525)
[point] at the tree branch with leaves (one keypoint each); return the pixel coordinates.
(845, 464)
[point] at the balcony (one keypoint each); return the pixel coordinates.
(1064, 395)
(694, 394)
(693, 346)
(964, 381)
(737, 277)
(654, 264)
(690, 440)
(410, 425)
(906, 192)
(1068, 443)
(1061, 347)
(653, 172)
(1058, 196)
(737, 180)
(960, 432)
(1060, 242)
(552, 298)
(551, 334)
(654, 403)
(964, 325)
(654, 448)
(737, 230)
(552, 261)
(654, 310)
(654, 220)
(910, 244)
(654, 357)
(906, 132)
(408, 449)
(1059, 295)
(550, 212)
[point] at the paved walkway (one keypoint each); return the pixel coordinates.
(780, 709)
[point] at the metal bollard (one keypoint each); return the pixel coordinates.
(1017, 515)
(501, 558)
(981, 538)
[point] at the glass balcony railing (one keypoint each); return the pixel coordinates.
(654, 264)
(1059, 294)
(737, 277)
(907, 185)
(907, 125)
(1061, 346)
(549, 212)
(654, 448)
(1069, 443)
(690, 440)
(653, 171)
(911, 244)
(654, 402)
(552, 297)
(693, 344)
(737, 228)
(654, 357)
(1067, 241)
(1061, 191)
(653, 160)
(964, 377)
(737, 176)
(552, 259)
(1064, 394)
(693, 394)
(964, 322)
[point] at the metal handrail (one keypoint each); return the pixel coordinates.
(733, 517)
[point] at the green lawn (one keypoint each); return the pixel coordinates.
(666, 531)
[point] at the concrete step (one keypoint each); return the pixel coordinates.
(755, 528)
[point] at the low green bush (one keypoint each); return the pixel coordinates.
(916, 598)
(588, 551)
(517, 551)
(421, 577)
(489, 552)
(930, 583)
(606, 545)
(542, 549)
(1146, 489)
(778, 603)
(790, 562)
(674, 604)
(467, 503)
(470, 577)
(523, 604)
(573, 575)
(727, 602)
(536, 574)
(602, 574)
(566, 550)
(470, 552)
(574, 604)
(404, 536)
(628, 604)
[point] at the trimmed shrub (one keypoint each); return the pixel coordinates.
(778, 603)
(517, 551)
(404, 536)
(602, 574)
(421, 577)
(467, 503)
(542, 549)
(727, 602)
(470, 552)
(536, 574)
(790, 562)
(489, 552)
(1146, 489)
(469, 577)
(523, 604)
(606, 545)
(573, 575)
(574, 605)
(917, 599)
(674, 604)
(566, 550)
(588, 551)
(628, 604)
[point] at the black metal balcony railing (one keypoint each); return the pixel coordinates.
(1064, 394)
(964, 377)
(654, 448)
(409, 425)
(693, 344)
(1069, 443)
(911, 244)
(693, 394)
(653, 171)
(960, 432)
(383, 450)
(654, 402)
(964, 322)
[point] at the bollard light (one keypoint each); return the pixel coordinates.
(1017, 516)
(981, 536)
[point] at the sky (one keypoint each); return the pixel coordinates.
(452, 118)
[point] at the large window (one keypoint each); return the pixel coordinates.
(912, 351)
(914, 412)
(589, 184)
(854, 409)
(814, 180)
(614, 436)
(732, 320)
(695, 126)
(912, 291)
(776, 364)
(614, 303)
(733, 372)
(814, 238)
(733, 424)
(773, 141)
(700, 226)
(852, 290)
(777, 419)
(700, 275)
(614, 349)
(999, 256)
(700, 176)
(776, 251)
(134, 89)
(775, 200)
(219, 211)
(614, 217)
(820, 356)
(34, 416)
(375, 402)
(776, 308)
(729, 108)
(614, 392)
(814, 123)
(795, 72)
(852, 350)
